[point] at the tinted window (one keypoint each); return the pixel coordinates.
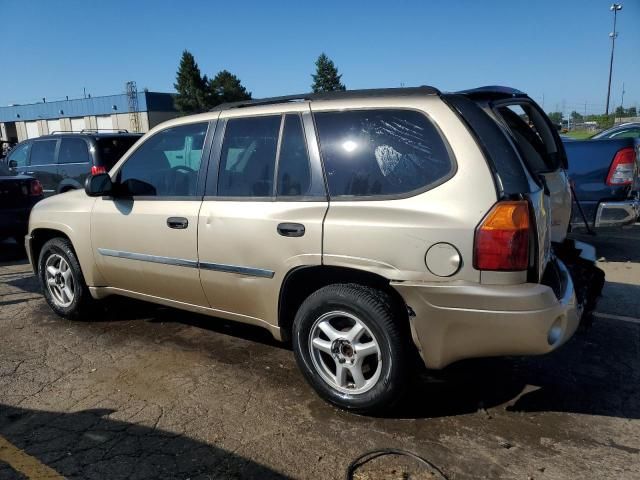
(294, 172)
(631, 133)
(248, 157)
(73, 150)
(380, 152)
(43, 152)
(111, 149)
(20, 154)
(167, 164)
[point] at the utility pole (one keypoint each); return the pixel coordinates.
(615, 8)
(622, 100)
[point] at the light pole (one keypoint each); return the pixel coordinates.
(615, 7)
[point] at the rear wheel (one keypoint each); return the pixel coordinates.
(350, 347)
(62, 281)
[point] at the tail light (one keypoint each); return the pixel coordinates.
(95, 170)
(623, 168)
(502, 239)
(35, 188)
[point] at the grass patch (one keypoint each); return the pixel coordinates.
(580, 134)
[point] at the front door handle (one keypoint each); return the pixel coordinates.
(291, 229)
(179, 223)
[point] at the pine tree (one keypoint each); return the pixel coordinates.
(190, 86)
(225, 87)
(326, 78)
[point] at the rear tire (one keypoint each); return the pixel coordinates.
(351, 348)
(62, 281)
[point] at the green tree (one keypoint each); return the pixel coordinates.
(632, 112)
(326, 78)
(555, 117)
(576, 117)
(190, 85)
(225, 87)
(620, 111)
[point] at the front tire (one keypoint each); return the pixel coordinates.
(350, 346)
(62, 281)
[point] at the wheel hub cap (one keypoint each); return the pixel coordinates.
(345, 353)
(59, 280)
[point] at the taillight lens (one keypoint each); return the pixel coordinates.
(502, 239)
(623, 168)
(35, 188)
(95, 170)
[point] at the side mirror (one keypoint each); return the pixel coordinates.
(13, 164)
(98, 185)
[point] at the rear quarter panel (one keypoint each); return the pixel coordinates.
(391, 237)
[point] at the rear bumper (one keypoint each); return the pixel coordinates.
(617, 214)
(454, 322)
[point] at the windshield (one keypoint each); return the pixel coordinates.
(111, 149)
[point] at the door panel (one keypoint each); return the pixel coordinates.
(243, 258)
(266, 218)
(136, 250)
(145, 239)
(44, 166)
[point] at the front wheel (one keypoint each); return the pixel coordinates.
(62, 281)
(350, 346)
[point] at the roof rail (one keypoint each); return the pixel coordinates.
(55, 132)
(337, 95)
(97, 130)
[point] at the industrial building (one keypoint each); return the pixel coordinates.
(133, 111)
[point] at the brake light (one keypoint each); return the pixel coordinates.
(623, 168)
(95, 170)
(502, 238)
(35, 188)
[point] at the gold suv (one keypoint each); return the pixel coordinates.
(363, 226)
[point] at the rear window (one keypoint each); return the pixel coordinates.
(381, 152)
(111, 149)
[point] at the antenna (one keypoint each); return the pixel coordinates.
(132, 100)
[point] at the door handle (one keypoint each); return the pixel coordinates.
(179, 223)
(291, 229)
(29, 173)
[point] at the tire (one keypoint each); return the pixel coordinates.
(78, 304)
(382, 339)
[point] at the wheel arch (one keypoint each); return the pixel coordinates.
(300, 282)
(40, 236)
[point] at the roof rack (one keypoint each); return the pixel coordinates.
(497, 91)
(98, 130)
(338, 95)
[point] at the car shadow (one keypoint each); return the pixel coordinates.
(90, 444)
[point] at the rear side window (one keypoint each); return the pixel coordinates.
(43, 152)
(249, 157)
(111, 149)
(294, 171)
(73, 150)
(381, 152)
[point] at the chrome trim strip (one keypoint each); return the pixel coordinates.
(221, 267)
(180, 262)
(148, 258)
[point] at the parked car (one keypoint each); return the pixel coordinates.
(604, 173)
(62, 161)
(366, 226)
(18, 195)
(624, 130)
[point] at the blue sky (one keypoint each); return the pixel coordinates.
(559, 49)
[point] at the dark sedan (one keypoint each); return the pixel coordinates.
(18, 195)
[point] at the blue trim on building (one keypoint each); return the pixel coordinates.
(80, 107)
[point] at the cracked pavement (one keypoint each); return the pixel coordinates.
(150, 392)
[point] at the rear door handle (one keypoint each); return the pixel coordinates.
(179, 223)
(291, 229)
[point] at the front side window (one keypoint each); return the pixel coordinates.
(167, 164)
(73, 150)
(20, 155)
(248, 157)
(381, 152)
(294, 170)
(43, 152)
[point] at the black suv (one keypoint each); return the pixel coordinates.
(62, 161)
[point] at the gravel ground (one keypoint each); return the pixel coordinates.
(149, 392)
